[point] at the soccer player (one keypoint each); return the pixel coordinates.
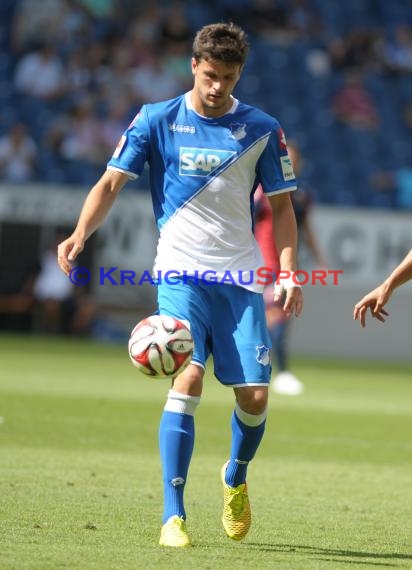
(376, 299)
(207, 152)
(283, 381)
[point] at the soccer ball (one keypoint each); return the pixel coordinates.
(160, 346)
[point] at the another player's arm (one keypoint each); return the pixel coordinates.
(286, 239)
(376, 300)
(95, 208)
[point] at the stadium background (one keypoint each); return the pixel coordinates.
(338, 76)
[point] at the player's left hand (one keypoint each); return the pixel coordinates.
(293, 299)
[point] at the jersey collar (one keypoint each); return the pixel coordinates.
(189, 106)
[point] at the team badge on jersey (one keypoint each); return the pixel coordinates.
(263, 355)
(202, 161)
(238, 130)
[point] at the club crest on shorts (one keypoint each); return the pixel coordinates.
(262, 355)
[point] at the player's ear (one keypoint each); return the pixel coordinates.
(195, 64)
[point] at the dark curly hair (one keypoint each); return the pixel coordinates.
(221, 42)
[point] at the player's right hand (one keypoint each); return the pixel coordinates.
(374, 301)
(67, 251)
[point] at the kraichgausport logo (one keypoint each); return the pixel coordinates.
(262, 276)
(201, 161)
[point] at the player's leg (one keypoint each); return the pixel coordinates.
(248, 427)
(278, 328)
(177, 428)
(283, 382)
(176, 437)
(176, 441)
(247, 370)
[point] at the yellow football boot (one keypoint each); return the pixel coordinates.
(237, 515)
(174, 533)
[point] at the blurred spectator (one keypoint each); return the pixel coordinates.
(76, 137)
(112, 76)
(101, 9)
(175, 42)
(143, 33)
(305, 19)
(176, 62)
(16, 305)
(41, 74)
(397, 183)
(152, 81)
(353, 104)
(356, 51)
(270, 19)
(114, 124)
(18, 155)
(407, 115)
(318, 62)
(33, 21)
(61, 307)
(78, 73)
(396, 53)
(175, 27)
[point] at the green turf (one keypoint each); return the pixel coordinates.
(80, 475)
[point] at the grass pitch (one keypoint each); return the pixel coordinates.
(80, 484)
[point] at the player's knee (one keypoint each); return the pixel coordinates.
(181, 403)
(252, 400)
(190, 381)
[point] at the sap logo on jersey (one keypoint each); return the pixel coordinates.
(201, 161)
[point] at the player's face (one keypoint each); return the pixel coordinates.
(213, 86)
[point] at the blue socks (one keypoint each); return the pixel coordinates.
(247, 433)
(176, 441)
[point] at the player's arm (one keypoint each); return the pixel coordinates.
(286, 237)
(376, 300)
(95, 208)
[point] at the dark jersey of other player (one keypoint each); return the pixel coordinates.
(301, 201)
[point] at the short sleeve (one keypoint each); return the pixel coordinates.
(132, 150)
(274, 169)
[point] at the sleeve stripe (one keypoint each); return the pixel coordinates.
(281, 190)
(131, 175)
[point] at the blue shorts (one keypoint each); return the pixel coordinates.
(226, 321)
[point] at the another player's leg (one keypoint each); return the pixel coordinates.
(247, 432)
(176, 441)
(283, 382)
(278, 333)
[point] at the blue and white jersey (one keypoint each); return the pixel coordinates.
(203, 173)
